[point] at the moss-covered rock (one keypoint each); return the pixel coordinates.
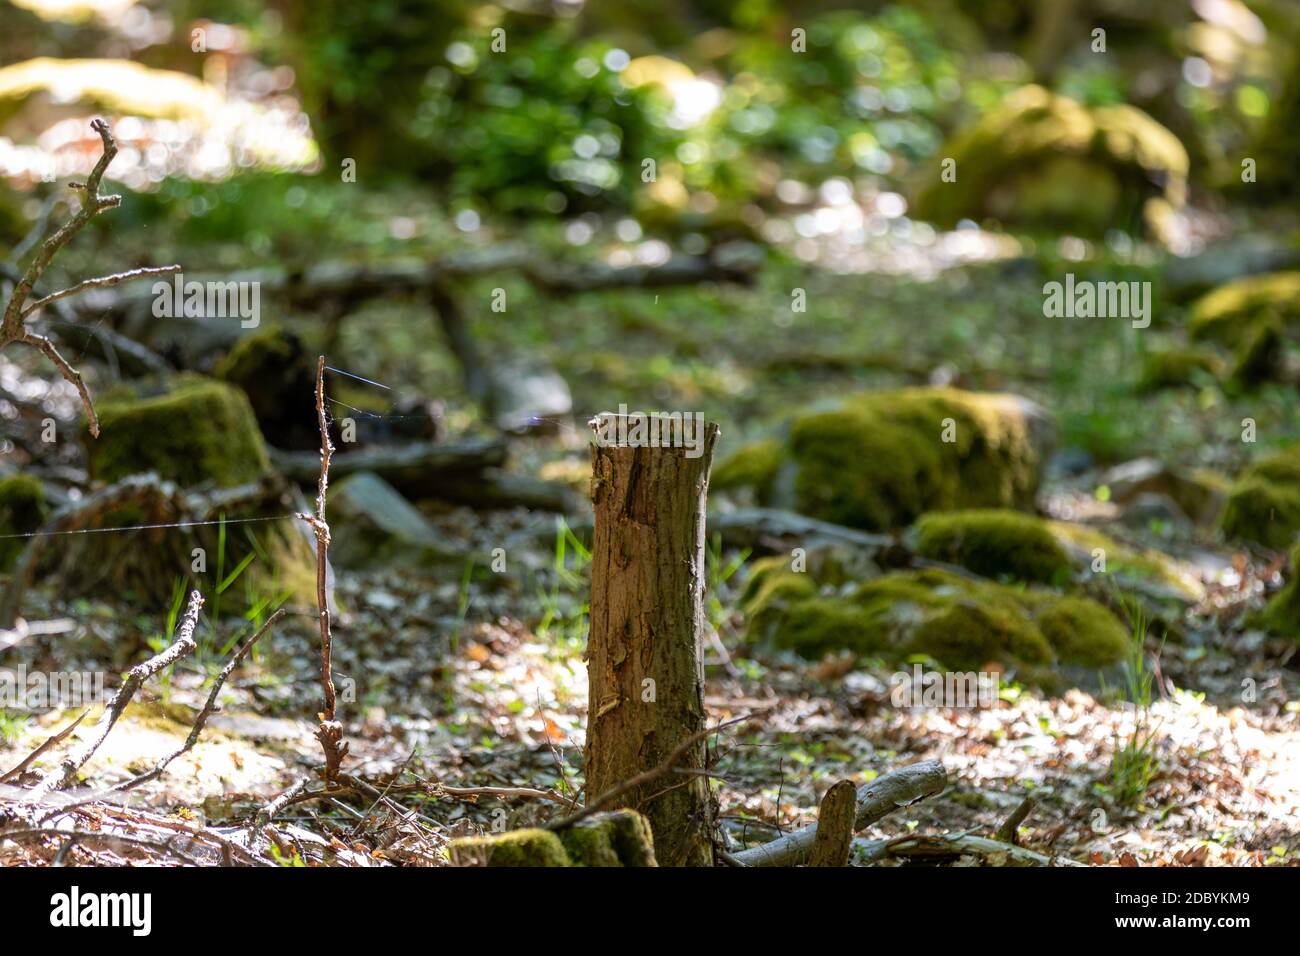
(1223, 314)
(1045, 161)
(993, 543)
(1282, 613)
(1264, 503)
(617, 838)
(1259, 356)
(960, 622)
(22, 511)
(531, 847)
(1079, 634)
(201, 432)
(274, 370)
(879, 460)
(1177, 368)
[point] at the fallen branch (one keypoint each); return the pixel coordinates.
(51, 741)
(63, 776)
(956, 843)
(875, 800)
(209, 708)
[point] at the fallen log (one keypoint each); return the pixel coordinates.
(417, 465)
(875, 800)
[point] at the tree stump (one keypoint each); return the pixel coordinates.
(645, 659)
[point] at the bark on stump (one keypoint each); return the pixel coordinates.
(645, 660)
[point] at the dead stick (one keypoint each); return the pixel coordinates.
(835, 826)
(1007, 832)
(330, 731)
(57, 779)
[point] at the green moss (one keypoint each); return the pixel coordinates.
(1047, 161)
(631, 836)
(616, 838)
(1220, 315)
(589, 844)
(273, 369)
(203, 431)
(879, 460)
(1081, 631)
(22, 511)
(993, 543)
(1264, 503)
(1282, 613)
(1258, 358)
(754, 466)
(1150, 572)
(962, 623)
(1176, 368)
(532, 847)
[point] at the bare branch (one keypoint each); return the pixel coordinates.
(68, 372)
(57, 779)
(100, 282)
(17, 308)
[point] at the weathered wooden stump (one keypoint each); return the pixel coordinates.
(644, 652)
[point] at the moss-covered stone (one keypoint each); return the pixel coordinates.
(1045, 161)
(1264, 503)
(22, 511)
(1222, 315)
(879, 460)
(201, 432)
(962, 623)
(531, 847)
(993, 543)
(1079, 634)
(1177, 368)
(1149, 573)
(1258, 358)
(1282, 613)
(616, 838)
(274, 370)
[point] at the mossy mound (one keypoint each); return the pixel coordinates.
(879, 460)
(1264, 503)
(1282, 613)
(1148, 573)
(1259, 357)
(1178, 368)
(201, 432)
(1223, 314)
(961, 623)
(274, 370)
(531, 847)
(22, 511)
(993, 543)
(1045, 161)
(616, 838)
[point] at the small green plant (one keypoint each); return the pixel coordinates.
(564, 611)
(160, 641)
(12, 725)
(719, 572)
(1134, 764)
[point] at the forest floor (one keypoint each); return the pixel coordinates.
(475, 680)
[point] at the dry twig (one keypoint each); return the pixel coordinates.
(17, 310)
(66, 772)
